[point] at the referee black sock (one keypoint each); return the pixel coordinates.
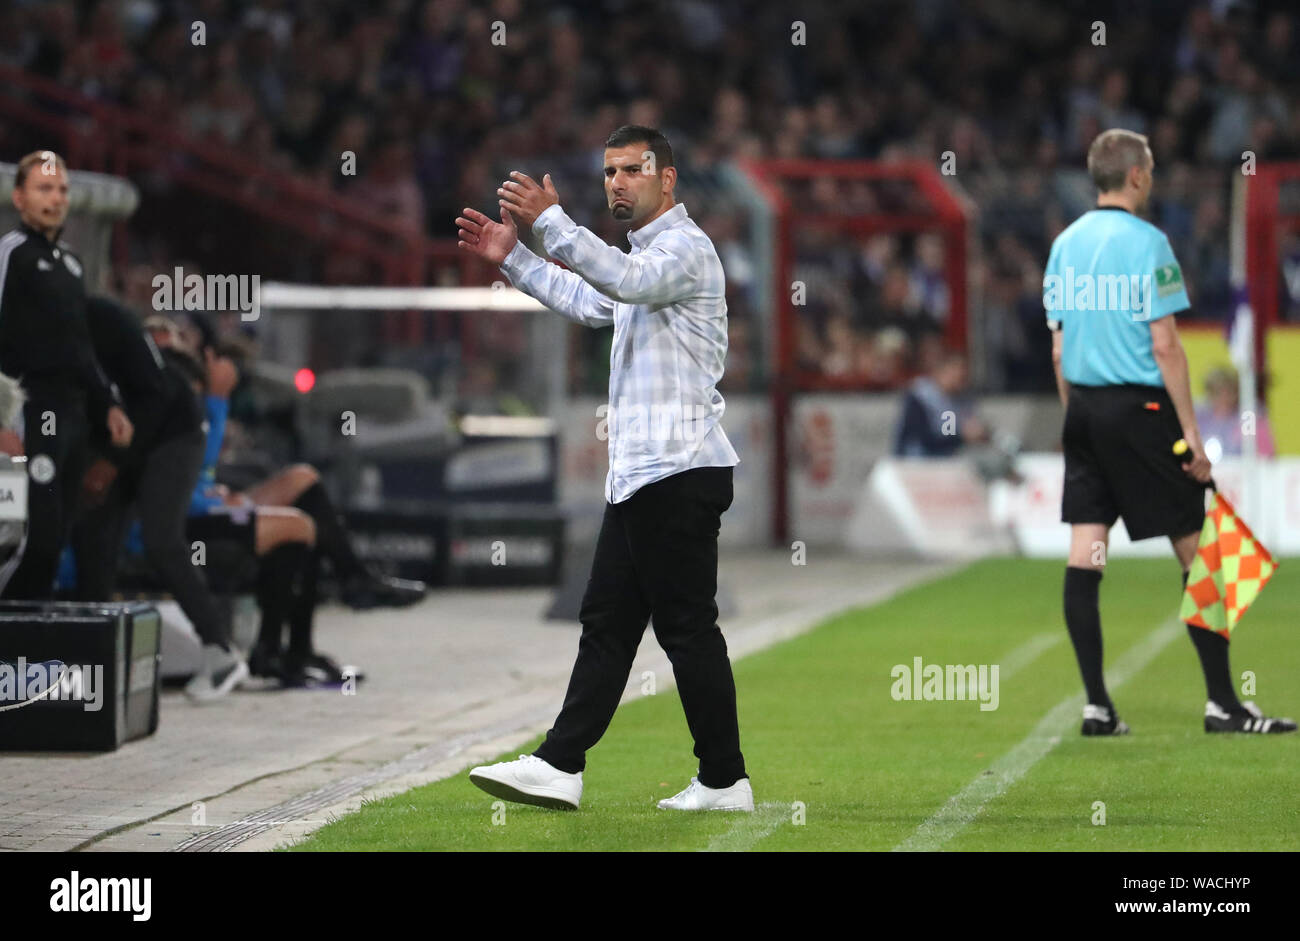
(1212, 648)
(331, 537)
(303, 612)
(277, 573)
(1083, 621)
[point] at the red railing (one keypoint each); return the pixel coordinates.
(938, 210)
(97, 135)
(1265, 224)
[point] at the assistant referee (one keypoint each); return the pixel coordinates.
(1111, 289)
(45, 343)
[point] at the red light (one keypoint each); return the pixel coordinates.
(303, 380)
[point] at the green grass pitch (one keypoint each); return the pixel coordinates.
(838, 764)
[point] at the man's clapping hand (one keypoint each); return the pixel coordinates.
(489, 240)
(525, 199)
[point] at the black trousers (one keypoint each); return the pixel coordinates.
(52, 501)
(656, 555)
(161, 490)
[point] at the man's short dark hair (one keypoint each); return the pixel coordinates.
(1113, 154)
(655, 142)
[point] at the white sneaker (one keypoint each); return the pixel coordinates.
(740, 796)
(530, 780)
(221, 671)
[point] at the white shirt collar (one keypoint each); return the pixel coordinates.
(643, 236)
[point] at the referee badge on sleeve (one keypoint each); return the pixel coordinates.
(1169, 280)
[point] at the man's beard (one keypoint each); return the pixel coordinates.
(621, 213)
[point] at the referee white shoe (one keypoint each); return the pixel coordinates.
(740, 796)
(530, 780)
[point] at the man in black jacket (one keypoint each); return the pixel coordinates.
(936, 421)
(157, 474)
(45, 344)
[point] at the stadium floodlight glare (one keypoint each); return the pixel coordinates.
(320, 297)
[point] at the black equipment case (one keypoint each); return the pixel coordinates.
(92, 674)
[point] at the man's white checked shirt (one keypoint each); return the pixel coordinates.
(665, 300)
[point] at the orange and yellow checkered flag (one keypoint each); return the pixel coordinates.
(1230, 570)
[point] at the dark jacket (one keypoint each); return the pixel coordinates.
(154, 384)
(928, 425)
(44, 339)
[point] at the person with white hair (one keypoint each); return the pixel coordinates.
(12, 529)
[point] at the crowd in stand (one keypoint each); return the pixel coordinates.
(435, 93)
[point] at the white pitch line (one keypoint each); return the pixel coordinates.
(750, 828)
(967, 803)
(767, 817)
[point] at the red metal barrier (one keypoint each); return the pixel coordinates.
(936, 209)
(105, 137)
(1265, 222)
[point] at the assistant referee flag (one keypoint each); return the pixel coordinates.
(1231, 568)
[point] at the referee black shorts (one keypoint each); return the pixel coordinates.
(237, 524)
(1119, 462)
